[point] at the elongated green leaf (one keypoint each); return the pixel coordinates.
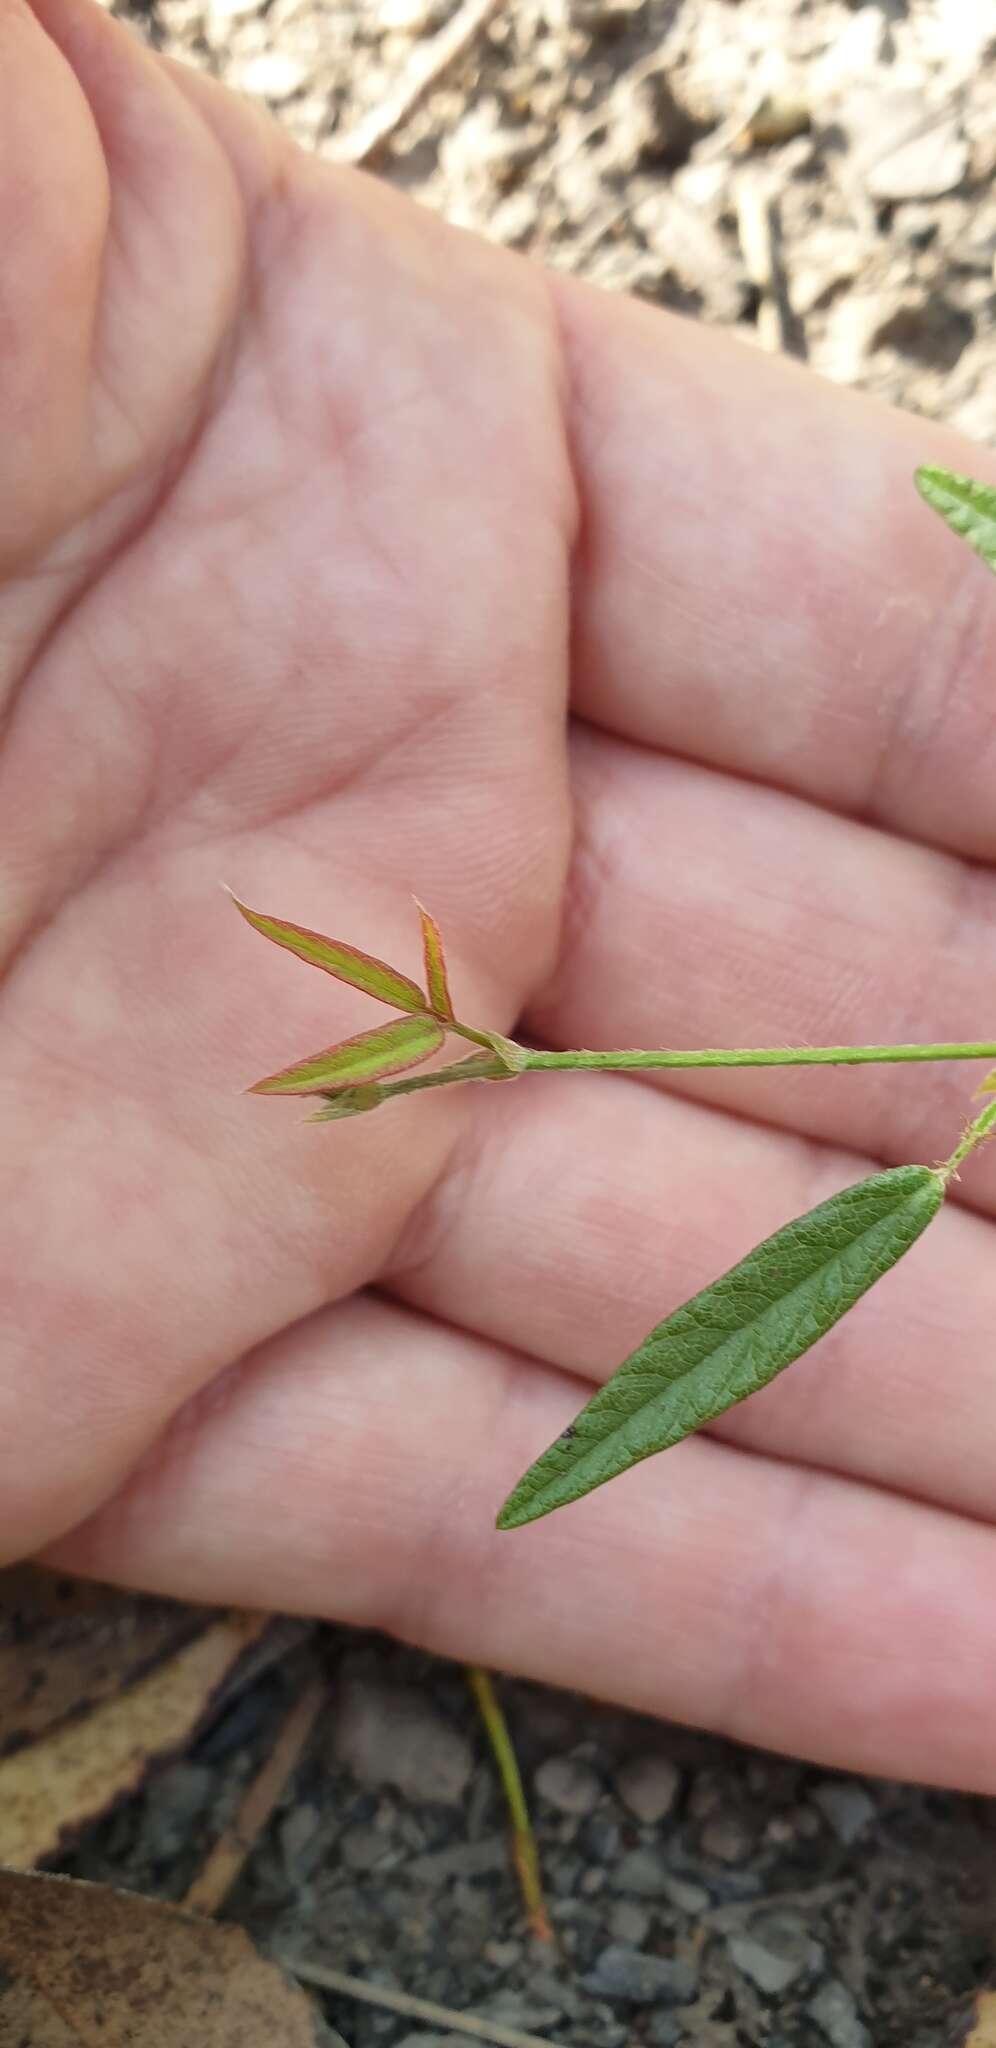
(387, 1049)
(968, 507)
(733, 1337)
(347, 963)
(440, 1000)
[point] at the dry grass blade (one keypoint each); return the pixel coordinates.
(759, 226)
(218, 1873)
(53, 1786)
(362, 143)
(410, 2007)
(87, 1967)
(524, 1848)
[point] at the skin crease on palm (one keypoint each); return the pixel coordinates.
(316, 519)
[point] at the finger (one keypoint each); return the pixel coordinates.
(760, 587)
(165, 298)
(588, 1208)
(48, 283)
(353, 1469)
(703, 911)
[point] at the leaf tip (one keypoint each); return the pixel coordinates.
(515, 1512)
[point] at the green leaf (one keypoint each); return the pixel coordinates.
(347, 963)
(969, 508)
(387, 1049)
(733, 1337)
(440, 1000)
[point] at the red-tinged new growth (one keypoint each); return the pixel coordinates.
(356, 1066)
(370, 1056)
(440, 1000)
(347, 963)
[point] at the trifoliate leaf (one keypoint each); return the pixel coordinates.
(347, 963)
(387, 1049)
(733, 1337)
(969, 508)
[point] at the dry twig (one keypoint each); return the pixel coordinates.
(365, 140)
(411, 2007)
(759, 225)
(218, 1873)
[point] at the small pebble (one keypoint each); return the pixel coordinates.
(363, 1847)
(649, 1787)
(833, 2010)
(687, 1897)
(395, 1735)
(644, 1872)
(174, 1800)
(846, 1807)
(727, 1838)
(665, 2031)
(629, 1922)
(776, 1952)
(641, 1979)
(568, 1784)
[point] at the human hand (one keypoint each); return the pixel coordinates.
(316, 514)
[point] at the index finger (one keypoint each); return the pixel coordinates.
(761, 589)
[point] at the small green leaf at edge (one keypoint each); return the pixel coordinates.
(968, 507)
(440, 1000)
(734, 1336)
(370, 1056)
(346, 963)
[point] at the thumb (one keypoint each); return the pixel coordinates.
(53, 219)
(123, 236)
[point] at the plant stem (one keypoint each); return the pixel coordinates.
(524, 1847)
(982, 1128)
(759, 1056)
(492, 1066)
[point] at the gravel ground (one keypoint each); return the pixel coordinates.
(820, 178)
(702, 1895)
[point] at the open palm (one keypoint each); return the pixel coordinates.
(316, 519)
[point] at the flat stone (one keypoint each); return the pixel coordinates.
(902, 146)
(727, 1838)
(394, 1735)
(644, 1872)
(364, 1847)
(776, 1953)
(687, 1897)
(833, 2010)
(629, 1922)
(846, 1807)
(771, 1974)
(649, 1787)
(568, 1784)
(642, 1979)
